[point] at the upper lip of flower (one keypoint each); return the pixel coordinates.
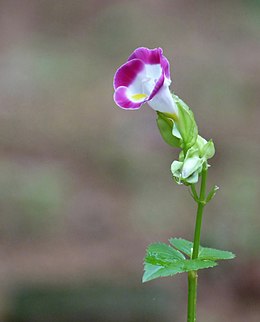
(141, 77)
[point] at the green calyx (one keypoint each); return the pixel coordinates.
(178, 131)
(186, 124)
(165, 124)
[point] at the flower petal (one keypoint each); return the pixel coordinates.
(163, 101)
(190, 166)
(176, 166)
(157, 87)
(152, 56)
(122, 99)
(126, 74)
(148, 56)
(166, 67)
(148, 81)
(194, 178)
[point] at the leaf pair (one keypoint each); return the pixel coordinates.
(163, 260)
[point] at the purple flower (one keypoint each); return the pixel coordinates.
(145, 78)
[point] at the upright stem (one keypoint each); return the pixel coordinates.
(201, 205)
(193, 276)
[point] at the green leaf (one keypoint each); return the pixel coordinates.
(183, 245)
(205, 253)
(186, 124)
(165, 126)
(152, 271)
(162, 260)
(163, 252)
(215, 254)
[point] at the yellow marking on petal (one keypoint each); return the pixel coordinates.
(138, 97)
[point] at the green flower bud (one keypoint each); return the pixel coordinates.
(187, 171)
(212, 193)
(176, 171)
(208, 150)
(190, 166)
(200, 143)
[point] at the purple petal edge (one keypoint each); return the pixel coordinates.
(123, 101)
(157, 87)
(126, 74)
(152, 56)
(148, 56)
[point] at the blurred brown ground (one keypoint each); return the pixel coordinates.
(86, 186)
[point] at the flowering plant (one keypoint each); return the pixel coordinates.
(145, 78)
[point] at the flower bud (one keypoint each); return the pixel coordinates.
(208, 150)
(187, 171)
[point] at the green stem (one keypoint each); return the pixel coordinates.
(194, 192)
(201, 205)
(193, 276)
(192, 295)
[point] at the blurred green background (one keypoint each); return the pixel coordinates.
(85, 186)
